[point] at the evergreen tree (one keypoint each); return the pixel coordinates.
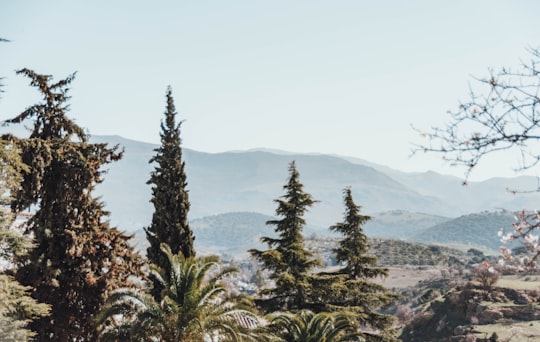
(169, 197)
(169, 194)
(78, 258)
(17, 308)
(288, 261)
(353, 248)
(350, 287)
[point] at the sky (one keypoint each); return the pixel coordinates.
(325, 76)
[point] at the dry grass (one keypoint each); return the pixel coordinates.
(405, 277)
(519, 282)
(511, 331)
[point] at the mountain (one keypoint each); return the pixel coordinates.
(250, 181)
(233, 234)
(491, 194)
(401, 224)
(479, 229)
(228, 234)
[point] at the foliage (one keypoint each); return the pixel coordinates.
(526, 230)
(194, 305)
(169, 197)
(287, 259)
(17, 308)
(78, 258)
(353, 248)
(169, 194)
(13, 244)
(350, 287)
(306, 326)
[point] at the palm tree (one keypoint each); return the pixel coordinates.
(194, 306)
(307, 326)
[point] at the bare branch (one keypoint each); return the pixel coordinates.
(504, 116)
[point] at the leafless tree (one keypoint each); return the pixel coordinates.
(502, 113)
(486, 276)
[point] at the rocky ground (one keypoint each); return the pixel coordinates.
(508, 311)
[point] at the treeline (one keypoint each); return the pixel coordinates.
(73, 277)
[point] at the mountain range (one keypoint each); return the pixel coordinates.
(249, 181)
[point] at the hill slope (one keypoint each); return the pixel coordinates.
(478, 229)
(401, 224)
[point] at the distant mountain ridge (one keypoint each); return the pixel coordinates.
(233, 234)
(478, 229)
(250, 181)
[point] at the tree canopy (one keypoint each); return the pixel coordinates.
(78, 258)
(306, 326)
(169, 195)
(17, 307)
(194, 305)
(351, 288)
(289, 262)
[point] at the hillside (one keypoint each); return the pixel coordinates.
(235, 233)
(478, 229)
(232, 234)
(228, 235)
(395, 253)
(400, 224)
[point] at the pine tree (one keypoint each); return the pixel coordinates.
(169, 196)
(353, 249)
(289, 262)
(78, 258)
(350, 287)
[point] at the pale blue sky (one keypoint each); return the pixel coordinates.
(343, 77)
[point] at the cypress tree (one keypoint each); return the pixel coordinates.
(289, 262)
(78, 258)
(169, 196)
(353, 249)
(350, 288)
